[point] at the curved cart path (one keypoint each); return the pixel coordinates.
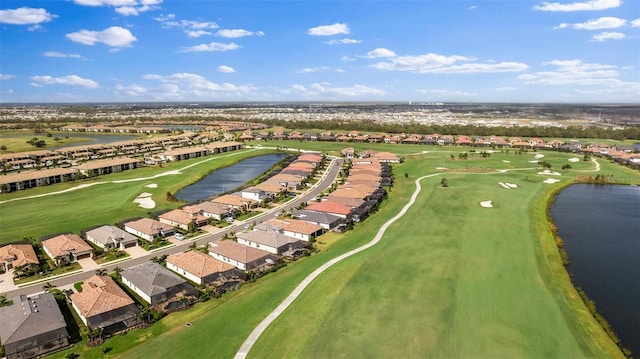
(255, 334)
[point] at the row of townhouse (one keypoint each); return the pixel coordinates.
(21, 180)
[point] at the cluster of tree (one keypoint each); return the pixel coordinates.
(448, 129)
(37, 142)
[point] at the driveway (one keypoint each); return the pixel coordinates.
(6, 282)
(136, 252)
(88, 264)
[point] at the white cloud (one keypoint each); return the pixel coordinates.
(190, 27)
(577, 73)
(347, 58)
(25, 16)
(235, 33)
(472, 7)
(324, 90)
(187, 86)
(607, 22)
(197, 33)
(608, 36)
(343, 41)
(329, 30)
(635, 23)
(70, 80)
(63, 55)
(212, 46)
(6, 77)
(590, 5)
(504, 89)
(307, 70)
(226, 69)
(124, 7)
(113, 36)
(434, 63)
(380, 52)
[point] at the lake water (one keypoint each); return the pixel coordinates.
(600, 226)
(228, 178)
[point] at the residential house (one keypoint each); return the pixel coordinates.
(32, 327)
(302, 230)
(103, 305)
(149, 229)
(324, 220)
(271, 241)
(202, 268)
(214, 210)
(186, 153)
(255, 194)
(107, 237)
(386, 157)
(184, 219)
(242, 257)
(68, 247)
(273, 189)
(157, 285)
(290, 181)
(17, 255)
(236, 202)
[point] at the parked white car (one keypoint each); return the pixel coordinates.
(179, 236)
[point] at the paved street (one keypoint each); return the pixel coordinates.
(138, 258)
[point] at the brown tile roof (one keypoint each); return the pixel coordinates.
(233, 200)
(29, 175)
(198, 263)
(298, 226)
(236, 251)
(329, 207)
(212, 207)
(270, 187)
(182, 217)
(18, 254)
(148, 226)
(65, 243)
(100, 294)
(106, 163)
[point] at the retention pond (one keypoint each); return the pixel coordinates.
(600, 227)
(229, 178)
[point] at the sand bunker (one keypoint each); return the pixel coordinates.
(551, 180)
(505, 161)
(486, 204)
(549, 173)
(144, 200)
(441, 168)
(508, 185)
(538, 156)
(575, 159)
(534, 161)
(152, 185)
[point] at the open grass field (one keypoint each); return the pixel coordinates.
(17, 142)
(450, 279)
(105, 202)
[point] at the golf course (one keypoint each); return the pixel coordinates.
(471, 270)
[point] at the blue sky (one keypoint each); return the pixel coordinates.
(448, 50)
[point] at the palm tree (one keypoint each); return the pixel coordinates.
(4, 301)
(117, 271)
(47, 287)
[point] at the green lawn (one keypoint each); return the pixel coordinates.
(16, 141)
(105, 203)
(450, 279)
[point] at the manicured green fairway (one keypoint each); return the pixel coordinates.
(105, 203)
(450, 279)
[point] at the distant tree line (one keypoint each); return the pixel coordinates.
(472, 130)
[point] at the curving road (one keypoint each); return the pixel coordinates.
(255, 334)
(329, 176)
